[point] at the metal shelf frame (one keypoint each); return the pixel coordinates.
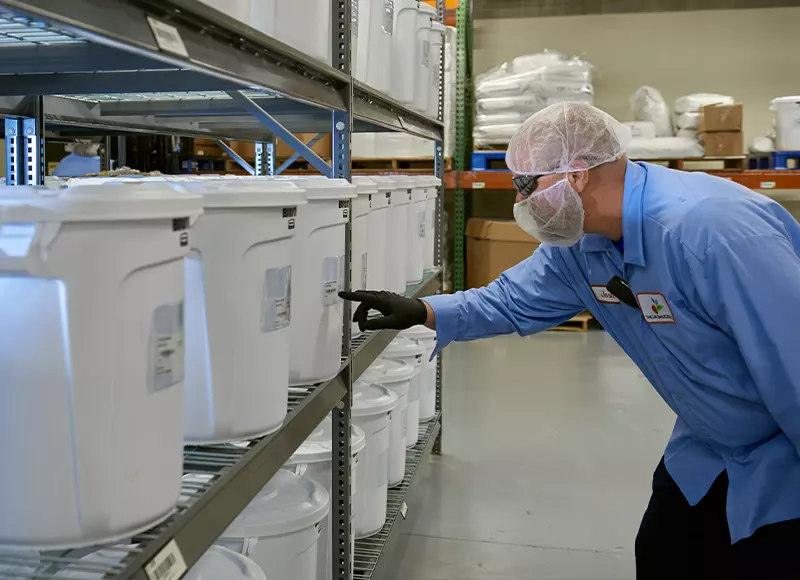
(90, 67)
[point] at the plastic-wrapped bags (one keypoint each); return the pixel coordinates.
(687, 133)
(494, 134)
(647, 104)
(642, 129)
(694, 103)
(664, 148)
(522, 104)
(689, 120)
(570, 77)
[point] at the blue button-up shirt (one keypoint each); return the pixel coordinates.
(715, 270)
(77, 166)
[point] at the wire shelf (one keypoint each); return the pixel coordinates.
(20, 31)
(155, 96)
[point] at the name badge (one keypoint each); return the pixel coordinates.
(603, 295)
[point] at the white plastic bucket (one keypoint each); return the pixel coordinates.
(787, 116)
(410, 352)
(404, 51)
(317, 278)
(417, 225)
(438, 32)
(217, 563)
(396, 376)
(397, 230)
(359, 236)
(377, 227)
(371, 411)
(238, 9)
(314, 459)
(432, 185)
(238, 309)
(91, 303)
(427, 374)
(424, 63)
(304, 25)
(280, 528)
(376, 22)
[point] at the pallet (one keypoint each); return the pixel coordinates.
(579, 323)
(489, 161)
(774, 160)
(411, 163)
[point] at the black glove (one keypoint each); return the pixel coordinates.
(398, 312)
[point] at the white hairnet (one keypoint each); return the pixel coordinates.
(566, 137)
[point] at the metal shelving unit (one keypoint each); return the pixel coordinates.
(179, 67)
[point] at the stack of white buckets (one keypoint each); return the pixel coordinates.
(192, 304)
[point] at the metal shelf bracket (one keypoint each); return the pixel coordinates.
(236, 157)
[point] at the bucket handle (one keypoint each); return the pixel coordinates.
(248, 546)
(300, 469)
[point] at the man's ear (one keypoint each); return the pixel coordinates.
(579, 180)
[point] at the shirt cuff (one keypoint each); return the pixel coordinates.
(446, 311)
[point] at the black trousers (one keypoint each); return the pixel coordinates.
(677, 541)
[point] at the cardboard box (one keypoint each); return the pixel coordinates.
(721, 118)
(207, 148)
(723, 144)
(493, 246)
(323, 147)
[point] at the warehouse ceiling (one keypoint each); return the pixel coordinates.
(540, 8)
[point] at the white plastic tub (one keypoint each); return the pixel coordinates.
(280, 528)
(238, 309)
(396, 376)
(359, 236)
(410, 352)
(427, 374)
(377, 227)
(371, 411)
(375, 28)
(417, 225)
(317, 278)
(302, 24)
(217, 563)
(787, 116)
(314, 459)
(432, 185)
(91, 303)
(404, 51)
(397, 230)
(424, 38)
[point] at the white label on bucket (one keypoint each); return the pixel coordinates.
(421, 222)
(168, 564)
(404, 424)
(426, 53)
(382, 466)
(276, 299)
(166, 346)
(331, 267)
(364, 271)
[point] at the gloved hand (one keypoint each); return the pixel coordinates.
(398, 311)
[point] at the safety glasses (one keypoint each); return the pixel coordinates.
(525, 184)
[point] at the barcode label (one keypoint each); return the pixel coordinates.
(168, 564)
(331, 270)
(167, 37)
(421, 223)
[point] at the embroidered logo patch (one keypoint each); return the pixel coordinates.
(655, 308)
(603, 295)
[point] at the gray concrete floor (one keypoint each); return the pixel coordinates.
(549, 446)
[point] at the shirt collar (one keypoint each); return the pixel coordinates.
(632, 219)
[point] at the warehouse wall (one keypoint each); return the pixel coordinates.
(750, 54)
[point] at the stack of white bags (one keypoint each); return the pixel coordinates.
(689, 110)
(510, 93)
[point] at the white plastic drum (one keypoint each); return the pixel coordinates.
(318, 276)
(375, 28)
(314, 459)
(238, 9)
(238, 309)
(410, 352)
(280, 528)
(371, 411)
(417, 222)
(377, 227)
(427, 375)
(787, 117)
(404, 51)
(359, 236)
(91, 304)
(397, 230)
(424, 63)
(216, 564)
(432, 185)
(304, 25)
(396, 376)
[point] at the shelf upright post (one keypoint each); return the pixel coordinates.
(341, 128)
(15, 152)
(33, 131)
(105, 154)
(463, 151)
(265, 158)
(122, 151)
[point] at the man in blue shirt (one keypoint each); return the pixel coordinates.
(82, 160)
(698, 280)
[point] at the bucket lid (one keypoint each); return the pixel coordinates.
(102, 200)
(387, 371)
(318, 446)
(319, 187)
(369, 399)
(286, 504)
(786, 100)
(231, 193)
(384, 182)
(427, 8)
(365, 185)
(402, 347)
(216, 563)
(403, 182)
(419, 332)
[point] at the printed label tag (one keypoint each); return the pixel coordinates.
(276, 299)
(168, 564)
(603, 295)
(166, 346)
(421, 222)
(167, 37)
(655, 308)
(331, 267)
